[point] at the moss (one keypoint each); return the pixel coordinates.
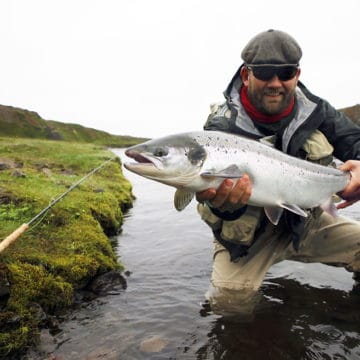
(64, 249)
(32, 283)
(12, 341)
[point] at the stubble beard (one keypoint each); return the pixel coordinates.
(268, 106)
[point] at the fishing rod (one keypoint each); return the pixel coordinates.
(21, 229)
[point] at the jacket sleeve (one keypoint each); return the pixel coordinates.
(342, 133)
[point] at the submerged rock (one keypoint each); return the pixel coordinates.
(153, 344)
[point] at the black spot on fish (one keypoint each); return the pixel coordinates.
(196, 155)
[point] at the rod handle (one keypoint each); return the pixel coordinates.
(13, 236)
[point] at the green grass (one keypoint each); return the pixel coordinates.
(67, 246)
(16, 122)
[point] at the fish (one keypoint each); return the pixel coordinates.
(195, 161)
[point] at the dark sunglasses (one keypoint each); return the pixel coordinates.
(266, 73)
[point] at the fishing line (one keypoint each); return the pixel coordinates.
(20, 230)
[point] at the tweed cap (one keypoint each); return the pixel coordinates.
(272, 47)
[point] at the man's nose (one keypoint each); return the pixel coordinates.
(274, 82)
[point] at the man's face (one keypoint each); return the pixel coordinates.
(270, 97)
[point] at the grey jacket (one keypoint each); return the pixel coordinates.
(312, 113)
(314, 124)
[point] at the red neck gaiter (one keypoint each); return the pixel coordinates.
(257, 115)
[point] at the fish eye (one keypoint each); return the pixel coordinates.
(161, 151)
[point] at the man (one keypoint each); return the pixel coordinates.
(266, 100)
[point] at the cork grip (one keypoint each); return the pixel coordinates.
(13, 236)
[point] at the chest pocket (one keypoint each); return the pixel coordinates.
(318, 149)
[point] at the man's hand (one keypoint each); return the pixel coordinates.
(230, 194)
(351, 194)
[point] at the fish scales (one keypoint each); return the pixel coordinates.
(192, 162)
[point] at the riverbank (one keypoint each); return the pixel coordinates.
(69, 246)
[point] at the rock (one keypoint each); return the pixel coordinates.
(153, 344)
(103, 352)
(7, 198)
(53, 324)
(47, 342)
(6, 164)
(67, 172)
(38, 313)
(4, 281)
(107, 282)
(99, 190)
(18, 173)
(4, 288)
(46, 171)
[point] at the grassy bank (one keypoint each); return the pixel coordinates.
(22, 123)
(67, 247)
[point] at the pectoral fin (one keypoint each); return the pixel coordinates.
(231, 172)
(182, 199)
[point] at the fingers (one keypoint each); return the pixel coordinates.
(345, 204)
(205, 195)
(229, 193)
(351, 193)
(241, 192)
(222, 193)
(349, 165)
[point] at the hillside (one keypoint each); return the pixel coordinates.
(16, 122)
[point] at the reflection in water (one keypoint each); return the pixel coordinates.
(293, 322)
(228, 302)
(306, 311)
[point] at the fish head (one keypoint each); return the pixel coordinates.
(174, 160)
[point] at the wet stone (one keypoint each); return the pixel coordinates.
(108, 282)
(153, 344)
(47, 342)
(38, 313)
(4, 288)
(104, 353)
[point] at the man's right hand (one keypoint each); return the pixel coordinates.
(230, 194)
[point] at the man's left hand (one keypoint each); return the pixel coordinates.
(351, 194)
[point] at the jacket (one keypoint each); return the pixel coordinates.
(315, 131)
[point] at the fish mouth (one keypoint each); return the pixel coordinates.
(140, 159)
(142, 162)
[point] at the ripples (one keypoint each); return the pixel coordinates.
(305, 312)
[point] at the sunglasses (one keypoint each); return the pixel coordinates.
(266, 73)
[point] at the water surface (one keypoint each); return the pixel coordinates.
(307, 311)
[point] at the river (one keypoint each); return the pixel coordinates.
(307, 311)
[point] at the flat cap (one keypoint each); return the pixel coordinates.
(272, 47)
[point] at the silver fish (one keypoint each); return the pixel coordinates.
(195, 161)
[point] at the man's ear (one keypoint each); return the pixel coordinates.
(244, 75)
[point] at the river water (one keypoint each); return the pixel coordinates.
(307, 310)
